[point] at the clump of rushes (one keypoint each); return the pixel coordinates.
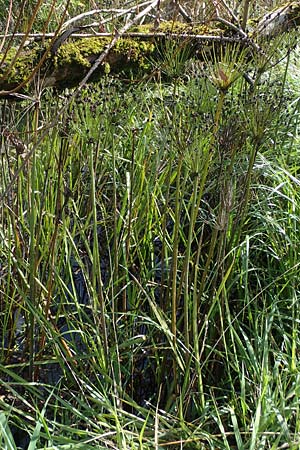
(149, 265)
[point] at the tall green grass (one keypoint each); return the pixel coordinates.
(149, 261)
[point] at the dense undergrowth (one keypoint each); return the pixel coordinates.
(149, 263)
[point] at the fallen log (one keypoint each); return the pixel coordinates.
(68, 59)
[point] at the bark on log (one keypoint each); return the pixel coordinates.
(70, 57)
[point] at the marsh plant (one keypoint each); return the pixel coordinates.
(149, 262)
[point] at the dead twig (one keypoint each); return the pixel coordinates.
(117, 13)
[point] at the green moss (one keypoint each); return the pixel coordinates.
(78, 51)
(135, 51)
(20, 69)
(176, 27)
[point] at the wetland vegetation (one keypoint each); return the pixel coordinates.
(149, 257)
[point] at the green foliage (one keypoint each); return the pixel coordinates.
(149, 263)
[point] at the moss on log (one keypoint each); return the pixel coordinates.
(132, 53)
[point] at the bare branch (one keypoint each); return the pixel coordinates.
(117, 14)
(7, 25)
